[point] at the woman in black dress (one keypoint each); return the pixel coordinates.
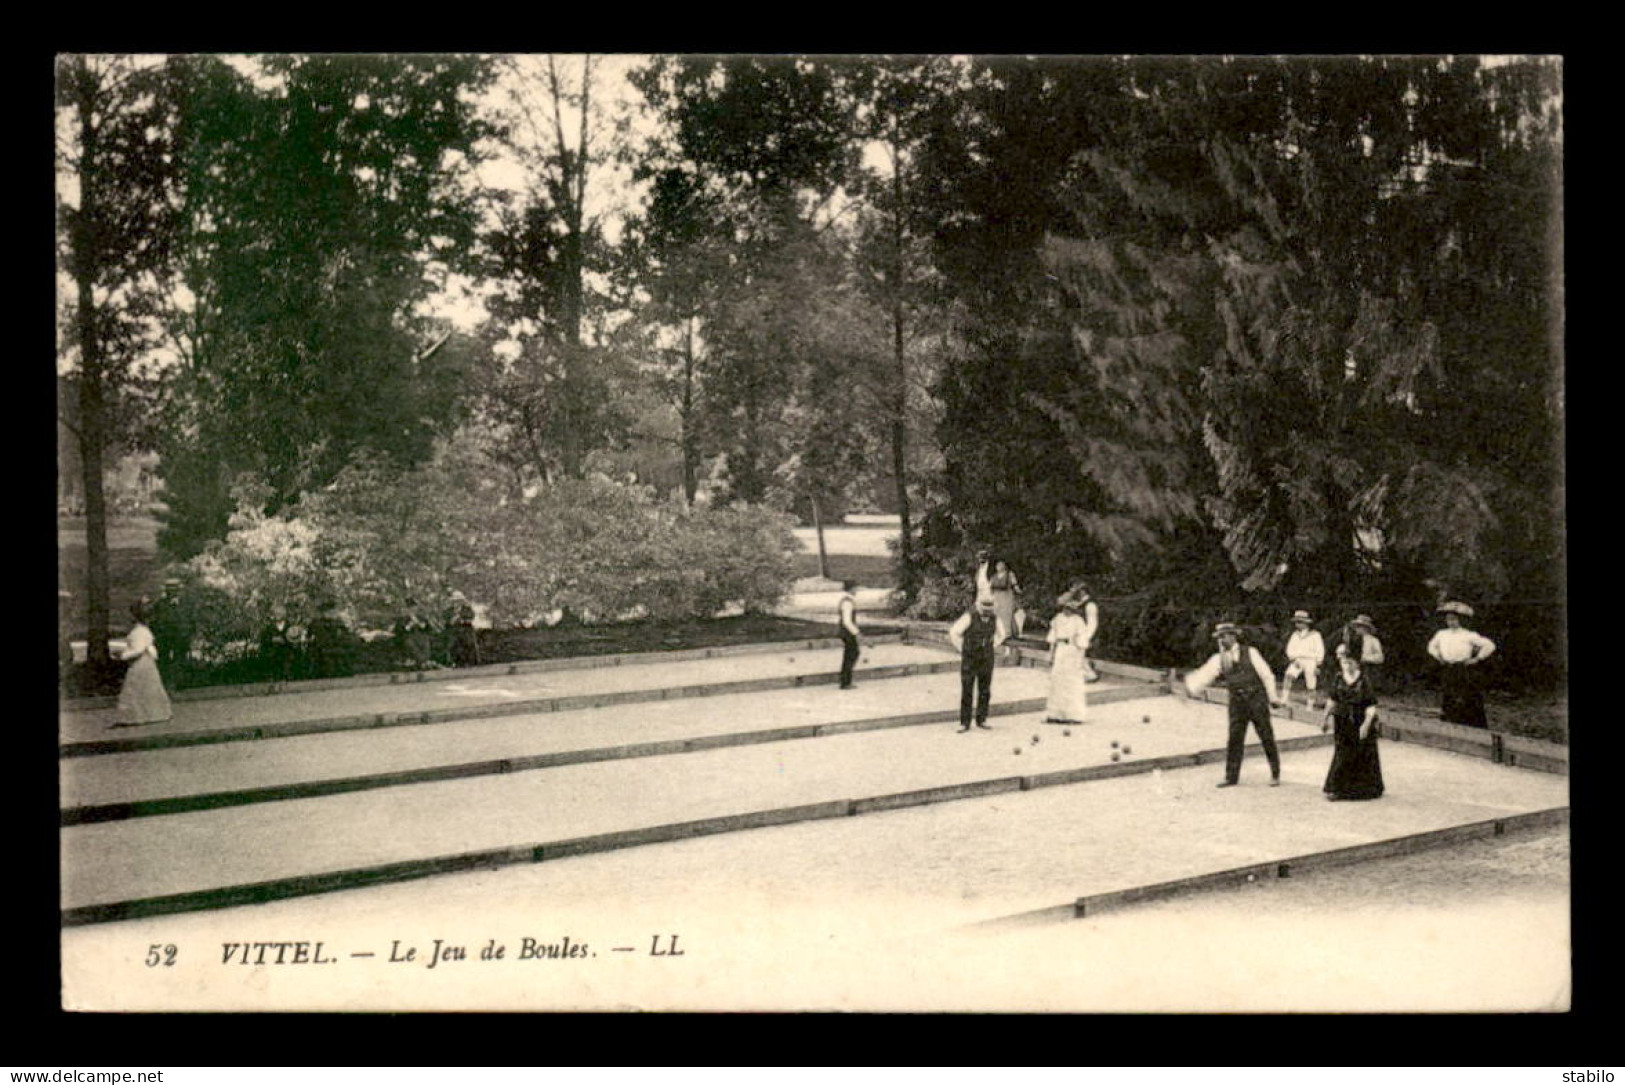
(1356, 772)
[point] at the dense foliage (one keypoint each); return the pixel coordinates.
(1297, 313)
(1214, 335)
(381, 546)
(321, 207)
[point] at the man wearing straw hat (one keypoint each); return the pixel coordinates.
(1251, 685)
(1305, 652)
(976, 636)
(1458, 650)
(1364, 631)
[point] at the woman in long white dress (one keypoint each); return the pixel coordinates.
(142, 698)
(1068, 638)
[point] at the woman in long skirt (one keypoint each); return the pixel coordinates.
(1356, 771)
(1004, 587)
(142, 698)
(1068, 636)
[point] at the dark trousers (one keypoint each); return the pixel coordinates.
(1463, 700)
(849, 656)
(464, 646)
(1249, 706)
(975, 682)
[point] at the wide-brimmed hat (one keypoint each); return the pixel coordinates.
(1301, 616)
(1365, 620)
(1454, 607)
(1069, 600)
(1227, 627)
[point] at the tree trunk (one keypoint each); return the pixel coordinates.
(818, 526)
(685, 418)
(899, 425)
(92, 405)
(92, 455)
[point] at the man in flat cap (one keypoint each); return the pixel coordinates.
(1459, 651)
(1251, 685)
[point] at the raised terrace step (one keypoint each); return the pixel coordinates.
(405, 704)
(999, 851)
(490, 670)
(312, 845)
(157, 782)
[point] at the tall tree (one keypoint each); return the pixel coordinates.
(322, 207)
(115, 227)
(754, 153)
(995, 164)
(677, 252)
(902, 100)
(552, 383)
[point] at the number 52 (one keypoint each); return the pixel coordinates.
(164, 955)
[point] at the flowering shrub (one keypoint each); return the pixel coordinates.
(382, 549)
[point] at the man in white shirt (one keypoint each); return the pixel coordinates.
(976, 636)
(1459, 650)
(1305, 652)
(848, 610)
(1251, 685)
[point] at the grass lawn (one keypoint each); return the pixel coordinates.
(132, 545)
(867, 570)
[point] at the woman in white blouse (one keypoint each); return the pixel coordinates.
(142, 698)
(1069, 635)
(1460, 650)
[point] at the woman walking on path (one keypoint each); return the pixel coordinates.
(1068, 638)
(142, 698)
(1459, 650)
(1351, 709)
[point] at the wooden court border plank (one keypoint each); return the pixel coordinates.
(181, 804)
(571, 702)
(488, 670)
(361, 877)
(1264, 870)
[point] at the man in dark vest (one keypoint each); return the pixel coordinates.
(1251, 685)
(847, 609)
(976, 636)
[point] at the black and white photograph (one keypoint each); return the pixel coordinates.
(865, 533)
